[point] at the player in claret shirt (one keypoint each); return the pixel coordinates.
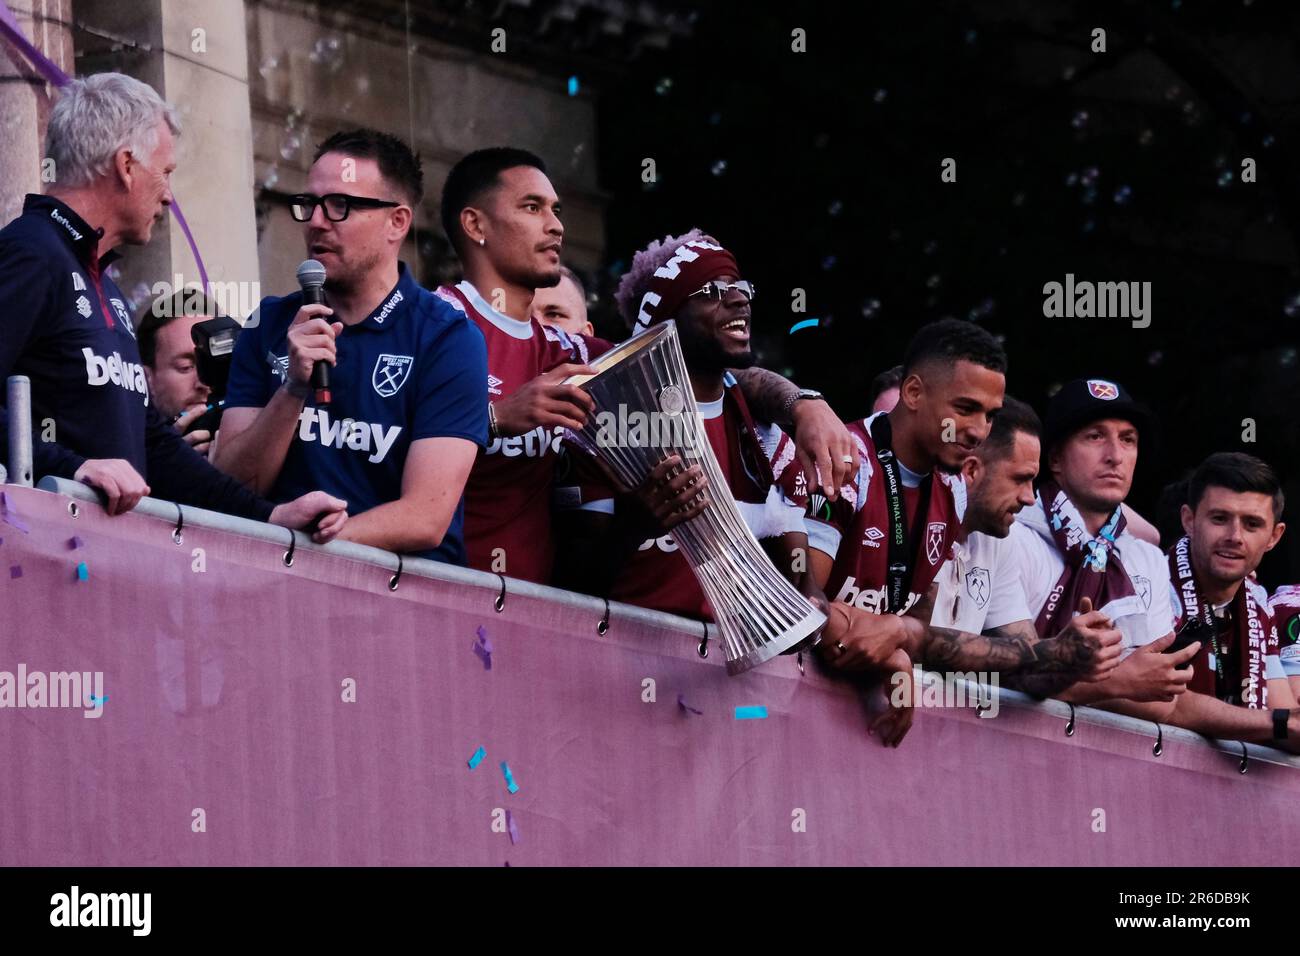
(502, 216)
(618, 546)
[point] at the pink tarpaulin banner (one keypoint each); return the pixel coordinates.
(253, 713)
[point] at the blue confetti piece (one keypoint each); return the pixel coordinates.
(805, 324)
(751, 713)
(83, 572)
(477, 759)
(510, 778)
(99, 700)
(573, 86)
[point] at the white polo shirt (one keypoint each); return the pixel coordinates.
(1141, 619)
(979, 587)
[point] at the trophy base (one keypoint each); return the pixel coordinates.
(783, 642)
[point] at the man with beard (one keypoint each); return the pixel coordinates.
(502, 216)
(406, 416)
(878, 550)
(978, 591)
(619, 548)
(1238, 690)
(1073, 544)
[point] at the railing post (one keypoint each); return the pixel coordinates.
(20, 430)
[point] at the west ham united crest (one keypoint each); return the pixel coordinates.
(390, 374)
(934, 541)
(978, 586)
(1106, 391)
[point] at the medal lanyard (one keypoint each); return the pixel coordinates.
(903, 547)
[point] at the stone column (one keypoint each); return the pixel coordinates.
(26, 99)
(195, 54)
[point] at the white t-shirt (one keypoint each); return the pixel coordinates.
(981, 583)
(1142, 619)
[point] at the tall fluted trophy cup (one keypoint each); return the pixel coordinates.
(645, 412)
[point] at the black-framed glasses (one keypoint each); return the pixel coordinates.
(716, 290)
(336, 205)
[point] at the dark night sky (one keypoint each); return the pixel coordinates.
(1115, 166)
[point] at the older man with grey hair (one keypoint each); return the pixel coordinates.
(65, 325)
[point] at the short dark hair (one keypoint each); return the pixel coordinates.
(949, 341)
(164, 309)
(397, 163)
(1013, 418)
(889, 378)
(1239, 472)
(472, 176)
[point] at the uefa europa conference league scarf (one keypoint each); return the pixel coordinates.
(1248, 634)
(1092, 566)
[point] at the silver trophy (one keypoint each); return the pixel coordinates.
(645, 412)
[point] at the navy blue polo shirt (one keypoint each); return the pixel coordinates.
(415, 368)
(65, 325)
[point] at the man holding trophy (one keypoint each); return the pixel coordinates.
(618, 542)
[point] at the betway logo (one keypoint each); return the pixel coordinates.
(127, 375)
(359, 436)
(869, 599)
(531, 444)
(389, 306)
(63, 221)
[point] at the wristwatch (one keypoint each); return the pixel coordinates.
(798, 396)
(1280, 718)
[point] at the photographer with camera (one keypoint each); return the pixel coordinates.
(186, 344)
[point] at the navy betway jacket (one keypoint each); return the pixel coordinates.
(65, 326)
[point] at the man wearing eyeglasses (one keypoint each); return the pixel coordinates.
(618, 545)
(502, 215)
(407, 410)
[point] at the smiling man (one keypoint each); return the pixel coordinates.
(1239, 689)
(618, 544)
(406, 417)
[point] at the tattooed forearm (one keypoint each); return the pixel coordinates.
(1069, 653)
(946, 649)
(767, 393)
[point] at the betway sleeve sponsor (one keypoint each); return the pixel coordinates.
(27, 296)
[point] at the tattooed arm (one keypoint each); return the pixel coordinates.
(1088, 649)
(819, 436)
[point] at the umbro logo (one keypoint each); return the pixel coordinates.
(494, 384)
(871, 537)
(83, 306)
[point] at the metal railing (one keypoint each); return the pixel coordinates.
(598, 609)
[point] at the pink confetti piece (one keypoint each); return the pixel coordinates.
(75, 542)
(512, 827)
(681, 702)
(16, 571)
